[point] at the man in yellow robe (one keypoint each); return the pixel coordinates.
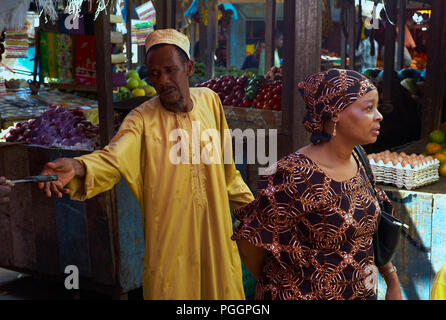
(185, 204)
(439, 288)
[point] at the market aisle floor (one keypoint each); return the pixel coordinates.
(18, 286)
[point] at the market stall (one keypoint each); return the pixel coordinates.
(43, 236)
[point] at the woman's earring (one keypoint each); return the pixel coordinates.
(334, 130)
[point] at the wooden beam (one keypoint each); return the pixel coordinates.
(202, 31)
(104, 75)
(102, 30)
(270, 22)
(171, 14)
(401, 33)
(343, 52)
(351, 34)
(161, 14)
(211, 37)
(302, 54)
(128, 40)
(436, 68)
(389, 55)
(228, 46)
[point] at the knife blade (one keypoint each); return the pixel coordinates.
(46, 178)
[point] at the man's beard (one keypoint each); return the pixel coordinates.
(176, 106)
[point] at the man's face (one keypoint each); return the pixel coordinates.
(169, 76)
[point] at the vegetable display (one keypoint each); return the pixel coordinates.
(58, 127)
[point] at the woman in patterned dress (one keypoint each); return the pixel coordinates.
(308, 234)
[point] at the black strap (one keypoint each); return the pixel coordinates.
(365, 163)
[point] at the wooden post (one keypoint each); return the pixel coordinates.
(343, 35)
(106, 118)
(211, 37)
(128, 40)
(401, 33)
(161, 14)
(171, 14)
(436, 68)
(202, 31)
(270, 19)
(228, 46)
(351, 34)
(389, 55)
(302, 54)
(104, 76)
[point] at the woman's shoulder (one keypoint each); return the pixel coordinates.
(290, 169)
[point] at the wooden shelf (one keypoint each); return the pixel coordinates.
(74, 87)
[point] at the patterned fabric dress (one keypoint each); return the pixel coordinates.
(317, 233)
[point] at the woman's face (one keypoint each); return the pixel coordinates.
(360, 122)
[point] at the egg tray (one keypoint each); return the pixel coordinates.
(406, 177)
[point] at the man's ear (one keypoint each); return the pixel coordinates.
(190, 67)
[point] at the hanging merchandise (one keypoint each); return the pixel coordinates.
(56, 50)
(13, 13)
(85, 64)
(146, 12)
(140, 30)
(16, 43)
(49, 7)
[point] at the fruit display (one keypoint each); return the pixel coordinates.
(252, 87)
(230, 89)
(269, 96)
(199, 75)
(57, 127)
(246, 92)
(436, 147)
(402, 170)
(136, 87)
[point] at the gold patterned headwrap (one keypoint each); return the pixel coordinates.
(327, 93)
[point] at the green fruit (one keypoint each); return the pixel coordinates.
(150, 91)
(132, 74)
(437, 136)
(132, 83)
(142, 84)
(123, 89)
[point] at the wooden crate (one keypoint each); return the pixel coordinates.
(252, 118)
(42, 236)
(424, 211)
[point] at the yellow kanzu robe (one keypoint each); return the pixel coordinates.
(185, 207)
(439, 288)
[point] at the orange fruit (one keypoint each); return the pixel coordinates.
(441, 157)
(443, 170)
(433, 148)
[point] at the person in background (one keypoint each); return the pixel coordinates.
(278, 43)
(5, 190)
(185, 203)
(367, 51)
(308, 235)
(252, 61)
(439, 288)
